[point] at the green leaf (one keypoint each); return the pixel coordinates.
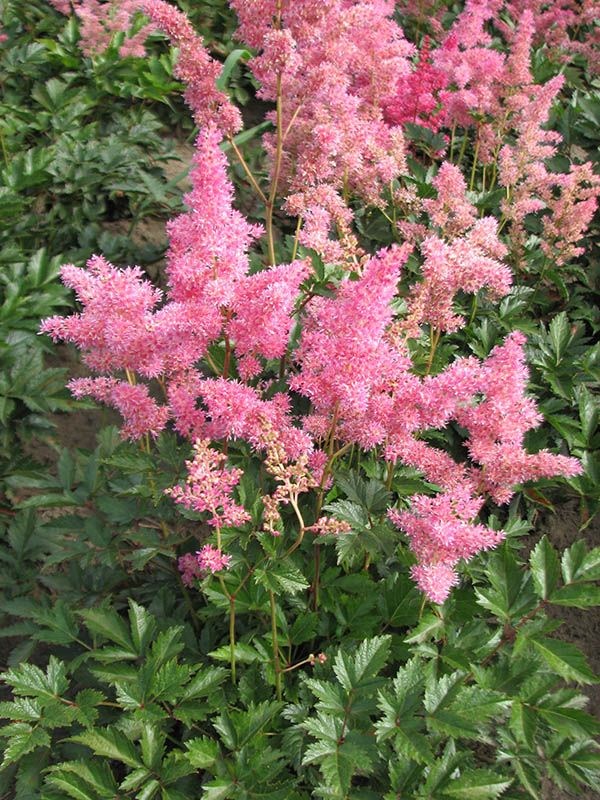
(230, 63)
(580, 565)
(23, 739)
(244, 653)
(523, 722)
(304, 628)
(509, 594)
(71, 784)
(545, 568)
(202, 752)
(205, 681)
(142, 625)
(28, 679)
(577, 595)
(370, 658)
(246, 136)
(478, 784)
(571, 722)
(110, 743)
(107, 623)
(166, 682)
(429, 625)
(560, 335)
(153, 746)
(281, 577)
(87, 700)
(564, 659)
(96, 774)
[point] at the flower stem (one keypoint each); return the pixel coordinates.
(275, 645)
(435, 338)
(247, 170)
(296, 239)
(270, 203)
(474, 167)
(232, 636)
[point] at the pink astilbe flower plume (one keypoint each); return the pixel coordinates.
(114, 328)
(237, 411)
(497, 425)
(451, 211)
(211, 559)
(196, 68)
(420, 95)
(468, 263)
(208, 252)
(571, 210)
(194, 565)
(100, 20)
(442, 533)
(333, 61)
(209, 487)
(263, 314)
(343, 354)
(141, 413)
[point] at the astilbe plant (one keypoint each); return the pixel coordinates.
(352, 363)
(289, 363)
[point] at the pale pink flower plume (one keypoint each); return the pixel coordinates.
(114, 330)
(343, 354)
(498, 423)
(334, 61)
(330, 525)
(208, 250)
(209, 487)
(196, 68)
(263, 314)
(100, 20)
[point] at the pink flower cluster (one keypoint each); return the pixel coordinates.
(466, 256)
(194, 565)
(195, 68)
(100, 20)
(208, 487)
(420, 95)
(210, 295)
(330, 525)
(441, 532)
(330, 62)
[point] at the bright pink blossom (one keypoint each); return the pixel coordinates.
(237, 411)
(420, 95)
(141, 413)
(442, 533)
(498, 423)
(263, 314)
(343, 354)
(208, 251)
(209, 559)
(114, 328)
(212, 560)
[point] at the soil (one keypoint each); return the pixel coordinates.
(581, 628)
